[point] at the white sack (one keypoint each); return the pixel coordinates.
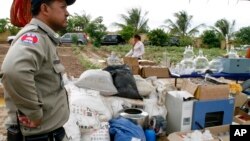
(98, 80)
(153, 109)
(72, 130)
(101, 134)
(144, 87)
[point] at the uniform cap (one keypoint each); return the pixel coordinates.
(70, 2)
(35, 2)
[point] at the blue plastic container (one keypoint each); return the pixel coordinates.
(150, 135)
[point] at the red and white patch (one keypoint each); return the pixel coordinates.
(29, 38)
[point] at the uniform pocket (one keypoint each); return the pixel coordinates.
(58, 68)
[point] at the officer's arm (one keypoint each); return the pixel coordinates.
(21, 64)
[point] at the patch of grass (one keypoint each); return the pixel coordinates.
(85, 62)
(155, 53)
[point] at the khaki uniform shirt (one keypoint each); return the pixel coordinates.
(32, 78)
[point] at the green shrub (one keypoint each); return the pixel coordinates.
(3, 24)
(74, 39)
(158, 37)
(185, 41)
(127, 33)
(243, 35)
(210, 38)
(13, 30)
(96, 31)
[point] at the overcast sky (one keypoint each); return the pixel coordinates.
(203, 11)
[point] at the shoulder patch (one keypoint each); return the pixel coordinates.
(29, 38)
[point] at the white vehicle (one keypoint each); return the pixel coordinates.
(10, 39)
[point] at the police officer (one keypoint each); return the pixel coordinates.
(32, 74)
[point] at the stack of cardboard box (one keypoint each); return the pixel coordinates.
(133, 64)
(146, 68)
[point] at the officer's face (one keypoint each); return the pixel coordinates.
(58, 14)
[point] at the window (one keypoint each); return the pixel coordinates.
(66, 36)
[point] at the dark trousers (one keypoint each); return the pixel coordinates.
(56, 135)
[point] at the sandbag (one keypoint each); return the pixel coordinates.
(72, 130)
(152, 107)
(124, 81)
(101, 134)
(87, 107)
(144, 87)
(122, 129)
(93, 100)
(98, 80)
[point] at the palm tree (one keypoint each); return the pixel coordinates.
(224, 27)
(134, 19)
(181, 27)
(81, 21)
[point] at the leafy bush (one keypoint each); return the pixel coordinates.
(243, 35)
(74, 39)
(158, 37)
(13, 30)
(3, 24)
(127, 33)
(185, 41)
(210, 38)
(96, 31)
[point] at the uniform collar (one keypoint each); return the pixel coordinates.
(50, 32)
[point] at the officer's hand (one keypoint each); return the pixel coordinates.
(25, 121)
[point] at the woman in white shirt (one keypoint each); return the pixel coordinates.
(138, 48)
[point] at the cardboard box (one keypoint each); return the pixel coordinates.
(241, 117)
(179, 136)
(240, 100)
(135, 70)
(131, 61)
(206, 91)
(146, 63)
(180, 112)
(218, 132)
(160, 72)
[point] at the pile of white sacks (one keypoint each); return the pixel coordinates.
(92, 103)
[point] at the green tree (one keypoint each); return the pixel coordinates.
(243, 35)
(210, 38)
(135, 19)
(127, 32)
(13, 29)
(96, 31)
(81, 22)
(224, 27)
(182, 26)
(3, 25)
(77, 23)
(158, 37)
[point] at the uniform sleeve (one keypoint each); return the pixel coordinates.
(20, 65)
